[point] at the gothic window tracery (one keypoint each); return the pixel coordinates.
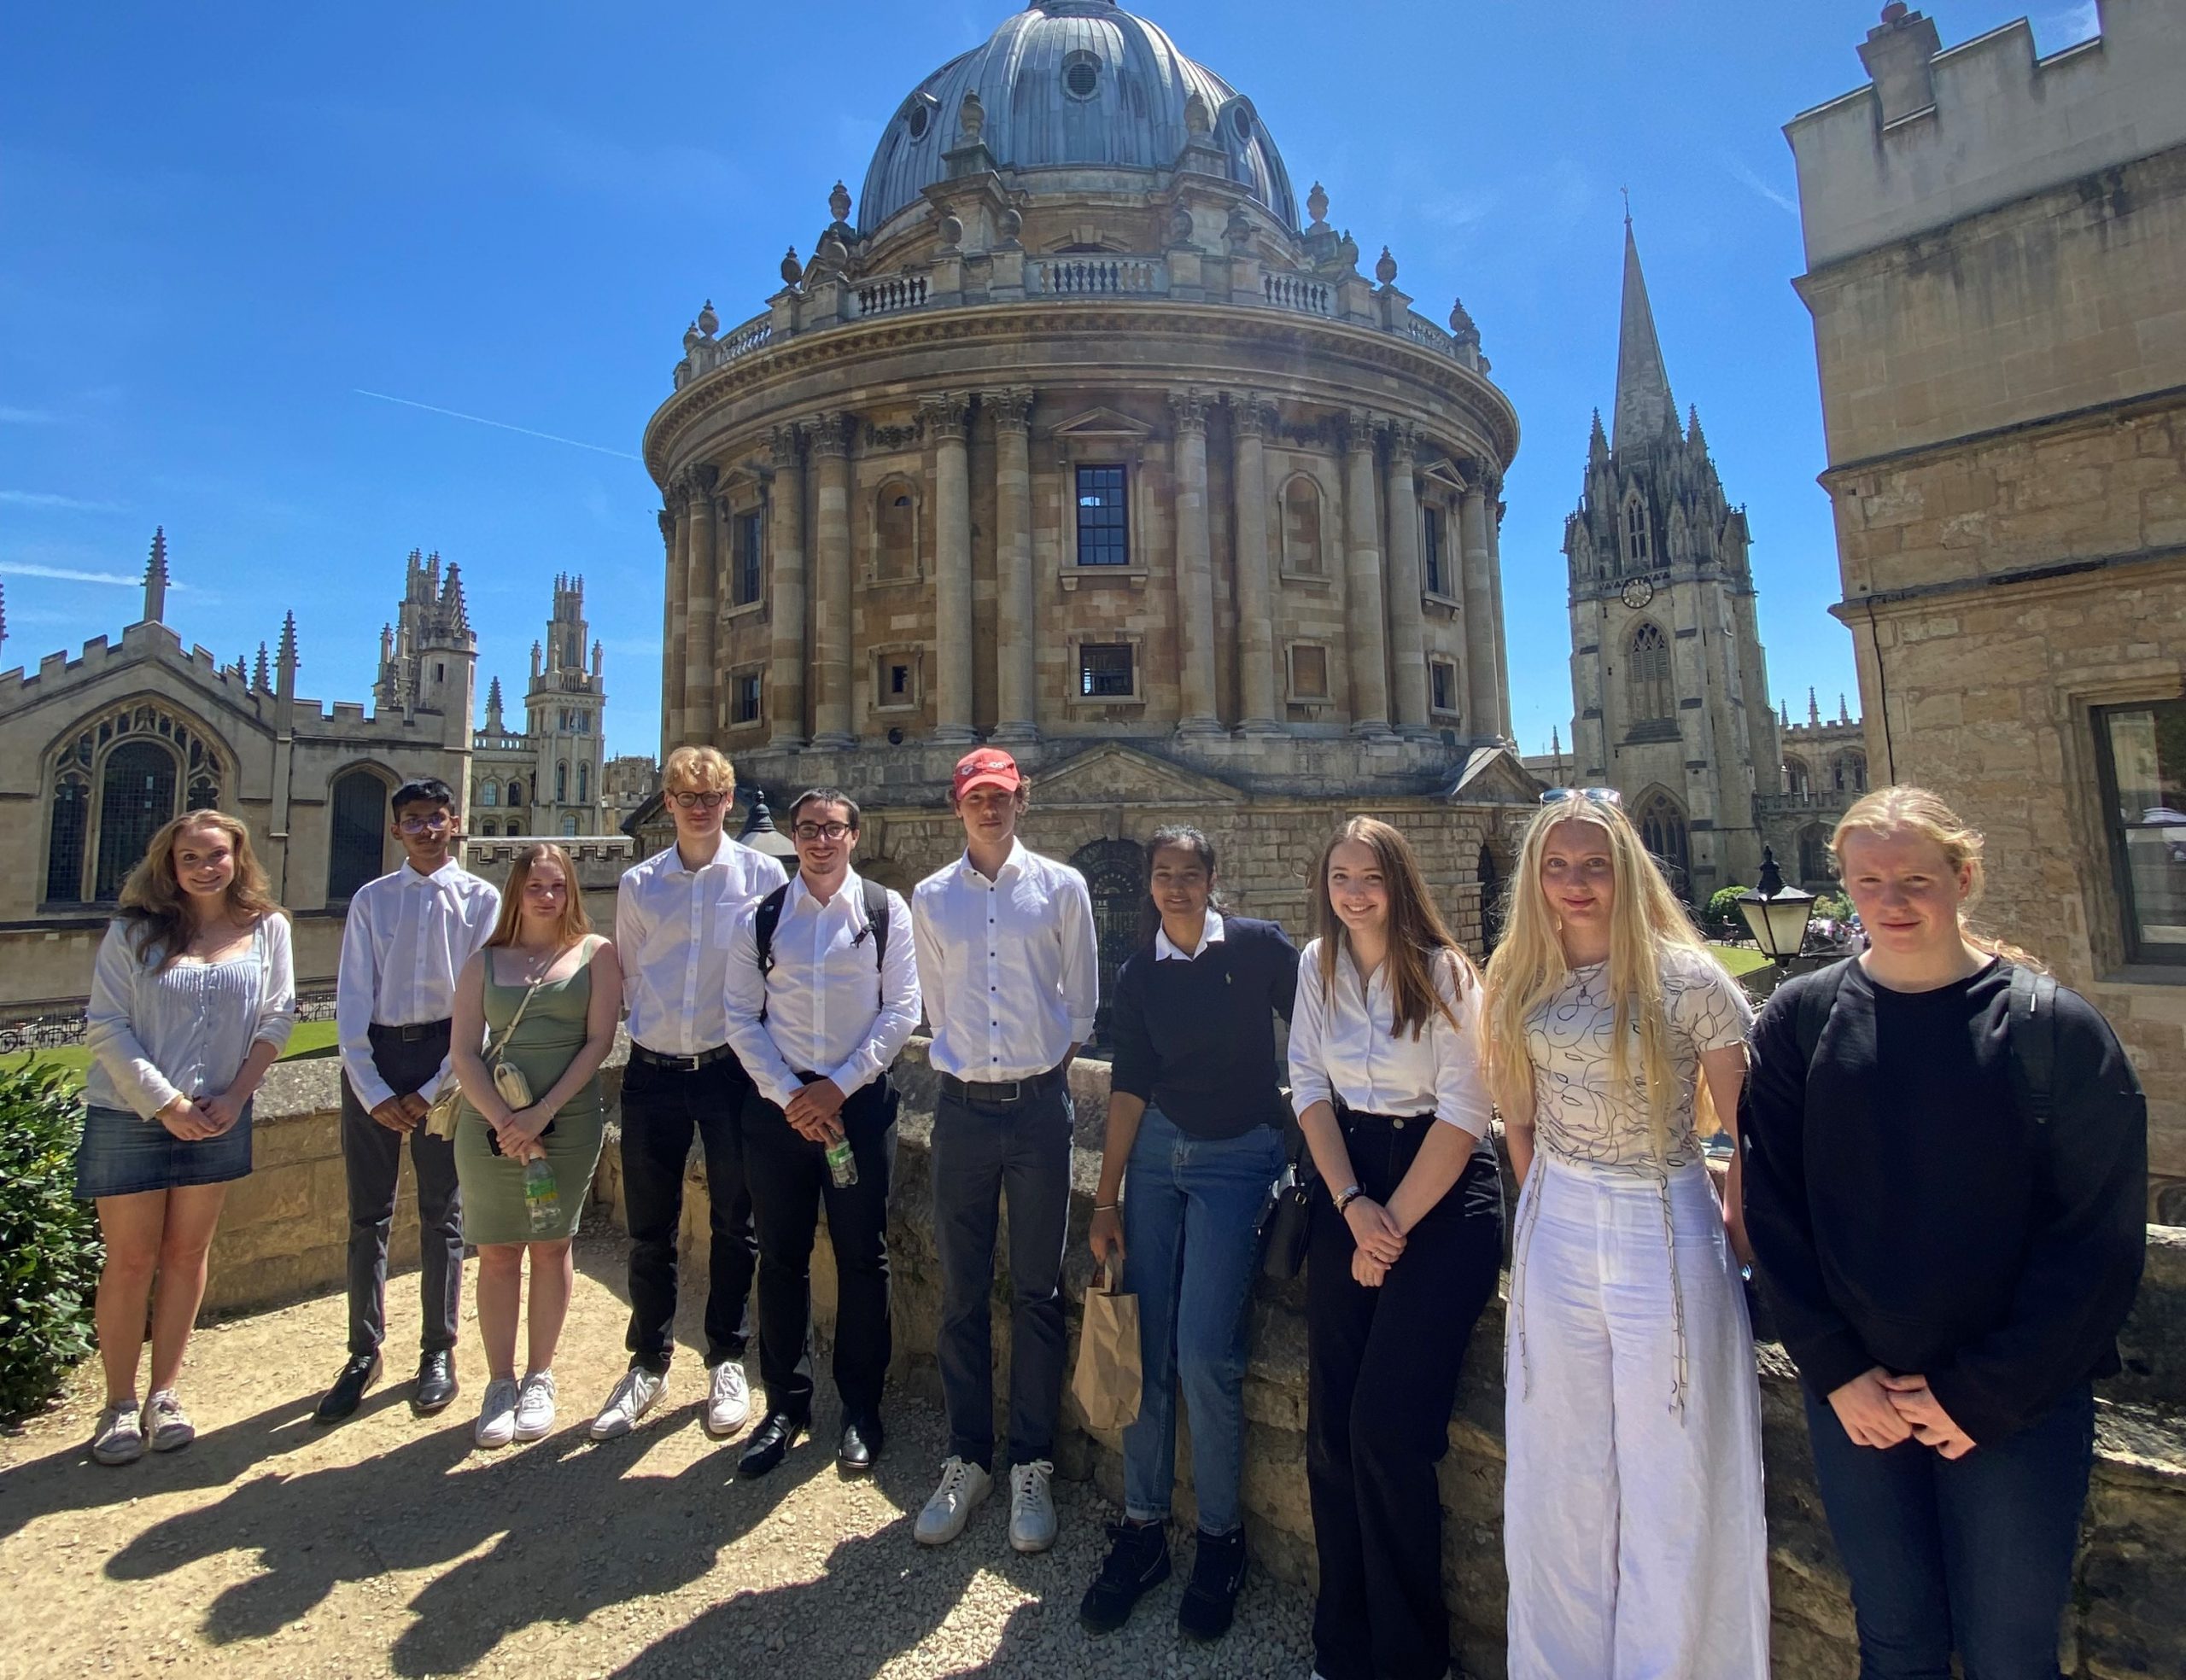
(1848, 773)
(1638, 539)
(114, 783)
(1798, 780)
(1647, 673)
(1661, 825)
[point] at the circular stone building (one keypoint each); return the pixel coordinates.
(1079, 439)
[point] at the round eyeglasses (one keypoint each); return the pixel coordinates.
(693, 801)
(808, 832)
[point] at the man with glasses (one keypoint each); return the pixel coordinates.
(673, 914)
(407, 937)
(823, 991)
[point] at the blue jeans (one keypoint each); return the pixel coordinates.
(1192, 1219)
(1975, 1552)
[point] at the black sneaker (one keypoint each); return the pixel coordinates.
(1218, 1577)
(1138, 1562)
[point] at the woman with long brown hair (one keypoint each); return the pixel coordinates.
(1946, 1182)
(193, 996)
(541, 1000)
(1632, 1518)
(1408, 1233)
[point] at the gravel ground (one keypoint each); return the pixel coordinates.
(272, 1547)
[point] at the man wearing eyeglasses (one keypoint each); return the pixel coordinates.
(405, 937)
(674, 915)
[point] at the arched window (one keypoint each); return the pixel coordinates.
(1638, 539)
(516, 795)
(1301, 525)
(562, 782)
(489, 794)
(1663, 831)
(1848, 773)
(568, 826)
(895, 533)
(1814, 853)
(584, 784)
(1115, 877)
(356, 819)
(136, 796)
(1647, 673)
(573, 651)
(67, 828)
(1798, 780)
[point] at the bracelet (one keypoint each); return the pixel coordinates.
(1106, 1207)
(1347, 1196)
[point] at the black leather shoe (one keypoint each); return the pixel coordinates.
(341, 1402)
(1210, 1602)
(860, 1444)
(770, 1443)
(435, 1384)
(1138, 1562)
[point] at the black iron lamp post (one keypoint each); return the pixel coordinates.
(760, 835)
(1775, 914)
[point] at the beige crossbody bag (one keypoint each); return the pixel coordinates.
(508, 1078)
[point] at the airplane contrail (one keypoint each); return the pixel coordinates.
(499, 425)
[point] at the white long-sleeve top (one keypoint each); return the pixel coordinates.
(1341, 1046)
(406, 938)
(185, 1032)
(1009, 969)
(672, 928)
(830, 1007)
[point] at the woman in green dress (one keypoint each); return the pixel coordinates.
(547, 976)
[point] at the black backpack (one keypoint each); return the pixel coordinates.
(767, 917)
(2032, 1039)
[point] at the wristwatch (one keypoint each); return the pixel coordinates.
(1347, 1196)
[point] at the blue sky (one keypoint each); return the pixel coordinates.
(220, 227)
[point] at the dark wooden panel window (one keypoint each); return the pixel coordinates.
(360, 818)
(744, 544)
(1102, 539)
(2143, 753)
(1430, 556)
(1104, 669)
(743, 697)
(69, 828)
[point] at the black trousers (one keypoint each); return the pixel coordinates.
(790, 1183)
(371, 1163)
(1382, 1378)
(662, 1108)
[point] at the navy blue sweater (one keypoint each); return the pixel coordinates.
(1196, 1040)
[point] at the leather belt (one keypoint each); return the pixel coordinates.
(638, 1052)
(415, 1032)
(994, 1093)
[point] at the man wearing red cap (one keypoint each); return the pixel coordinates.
(1010, 973)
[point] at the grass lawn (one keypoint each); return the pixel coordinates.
(1740, 959)
(310, 1039)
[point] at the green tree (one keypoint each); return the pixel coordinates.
(1722, 920)
(50, 1249)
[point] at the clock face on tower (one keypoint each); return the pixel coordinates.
(1637, 593)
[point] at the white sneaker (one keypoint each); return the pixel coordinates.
(963, 1487)
(1031, 1507)
(496, 1425)
(634, 1396)
(534, 1407)
(120, 1437)
(728, 1399)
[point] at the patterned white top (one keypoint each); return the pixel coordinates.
(157, 1033)
(1581, 1111)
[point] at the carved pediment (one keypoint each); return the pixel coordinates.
(1494, 776)
(1442, 474)
(1101, 422)
(1110, 774)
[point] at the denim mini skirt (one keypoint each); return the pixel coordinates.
(122, 1156)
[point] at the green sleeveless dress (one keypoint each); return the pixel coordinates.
(546, 1041)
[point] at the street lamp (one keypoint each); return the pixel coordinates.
(760, 835)
(1775, 914)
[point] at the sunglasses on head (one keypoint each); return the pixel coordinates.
(1597, 796)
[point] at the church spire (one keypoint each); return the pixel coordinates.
(156, 578)
(1644, 405)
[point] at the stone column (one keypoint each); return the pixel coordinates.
(1366, 626)
(1197, 712)
(786, 609)
(1256, 686)
(671, 628)
(1407, 620)
(1494, 519)
(1479, 603)
(702, 607)
(1017, 637)
(830, 605)
(948, 421)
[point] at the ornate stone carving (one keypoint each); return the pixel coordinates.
(1188, 409)
(667, 524)
(1404, 442)
(1009, 224)
(1012, 409)
(1385, 268)
(952, 232)
(1316, 206)
(692, 338)
(946, 416)
(1237, 232)
(1355, 430)
(971, 120)
(1198, 120)
(792, 269)
(1250, 416)
(1461, 325)
(838, 203)
(831, 434)
(781, 446)
(709, 322)
(885, 437)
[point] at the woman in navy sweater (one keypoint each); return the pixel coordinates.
(1945, 1188)
(1194, 1110)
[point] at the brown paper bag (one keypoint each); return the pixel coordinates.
(1106, 1383)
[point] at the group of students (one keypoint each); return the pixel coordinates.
(1938, 1174)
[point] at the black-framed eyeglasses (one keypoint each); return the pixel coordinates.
(434, 824)
(1597, 795)
(808, 832)
(707, 800)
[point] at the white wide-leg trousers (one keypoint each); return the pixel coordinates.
(1633, 1526)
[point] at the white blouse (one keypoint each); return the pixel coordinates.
(187, 1029)
(1341, 1048)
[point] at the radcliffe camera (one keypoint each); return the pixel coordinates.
(1388, 881)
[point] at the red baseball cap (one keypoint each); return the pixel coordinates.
(987, 766)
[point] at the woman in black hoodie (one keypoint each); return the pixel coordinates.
(1946, 1191)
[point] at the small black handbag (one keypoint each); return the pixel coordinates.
(1286, 1222)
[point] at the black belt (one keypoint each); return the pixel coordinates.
(414, 1033)
(1345, 1115)
(638, 1052)
(1000, 1092)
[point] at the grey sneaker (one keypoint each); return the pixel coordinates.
(634, 1396)
(963, 1486)
(728, 1399)
(119, 1437)
(534, 1407)
(167, 1423)
(1031, 1506)
(496, 1426)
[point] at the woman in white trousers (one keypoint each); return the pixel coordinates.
(1633, 1526)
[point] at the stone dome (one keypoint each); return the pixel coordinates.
(1076, 83)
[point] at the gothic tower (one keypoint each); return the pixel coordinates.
(1669, 682)
(562, 708)
(429, 657)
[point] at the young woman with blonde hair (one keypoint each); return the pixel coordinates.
(193, 996)
(1946, 1182)
(1407, 1236)
(1633, 1527)
(543, 996)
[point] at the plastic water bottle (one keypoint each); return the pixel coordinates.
(842, 1165)
(541, 1197)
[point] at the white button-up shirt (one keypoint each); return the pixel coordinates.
(1166, 951)
(406, 937)
(156, 1034)
(672, 928)
(830, 1007)
(1009, 967)
(1341, 1046)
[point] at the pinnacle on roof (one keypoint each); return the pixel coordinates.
(262, 677)
(286, 659)
(1844, 711)
(452, 595)
(1814, 710)
(3, 613)
(1644, 404)
(155, 568)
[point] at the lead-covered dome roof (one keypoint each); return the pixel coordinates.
(1065, 82)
